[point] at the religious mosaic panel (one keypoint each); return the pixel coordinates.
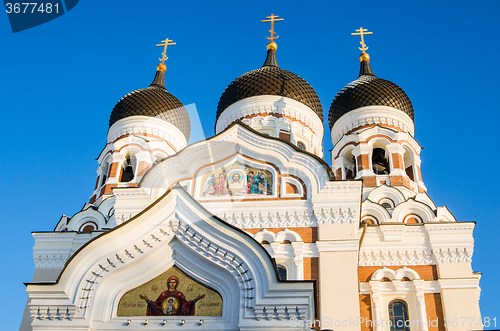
(237, 179)
(173, 293)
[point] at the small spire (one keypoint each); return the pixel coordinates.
(271, 60)
(365, 69)
(159, 80)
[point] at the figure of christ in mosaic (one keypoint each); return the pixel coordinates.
(171, 302)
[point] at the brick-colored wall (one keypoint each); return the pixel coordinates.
(363, 162)
(397, 161)
(338, 174)
(365, 312)
(107, 189)
(143, 167)
(112, 169)
(284, 136)
(308, 235)
(426, 272)
(434, 310)
(370, 181)
(291, 189)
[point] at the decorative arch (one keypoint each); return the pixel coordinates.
(87, 217)
(444, 215)
(412, 207)
(383, 273)
(386, 192)
(374, 211)
(264, 235)
(287, 234)
(406, 272)
(239, 140)
(426, 199)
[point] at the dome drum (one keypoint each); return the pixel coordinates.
(369, 116)
(273, 115)
(150, 126)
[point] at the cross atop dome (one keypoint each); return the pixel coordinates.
(272, 19)
(165, 43)
(361, 32)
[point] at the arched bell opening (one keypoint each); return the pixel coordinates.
(128, 167)
(409, 164)
(380, 161)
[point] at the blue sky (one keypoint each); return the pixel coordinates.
(60, 81)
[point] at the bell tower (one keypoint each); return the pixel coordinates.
(372, 129)
(145, 126)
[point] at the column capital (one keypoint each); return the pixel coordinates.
(396, 148)
(362, 149)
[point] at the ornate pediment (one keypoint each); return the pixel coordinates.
(177, 237)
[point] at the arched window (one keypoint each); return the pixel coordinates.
(88, 227)
(281, 271)
(301, 145)
(398, 315)
(386, 205)
(379, 162)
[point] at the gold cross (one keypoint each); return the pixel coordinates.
(272, 20)
(361, 33)
(166, 42)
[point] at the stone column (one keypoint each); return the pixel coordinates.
(396, 158)
(298, 260)
(363, 154)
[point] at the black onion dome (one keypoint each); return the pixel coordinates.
(270, 80)
(153, 101)
(368, 90)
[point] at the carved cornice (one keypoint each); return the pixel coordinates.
(414, 257)
(50, 261)
(396, 258)
(456, 255)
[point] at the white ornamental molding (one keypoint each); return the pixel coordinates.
(270, 104)
(396, 258)
(289, 220)
(371, 115)
(50, 261)
(147, 125)
(457, 255)
(270, 220)
(330, 216)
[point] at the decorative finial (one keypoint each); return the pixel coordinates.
(361, 32)
(272, 45)
(165, 43)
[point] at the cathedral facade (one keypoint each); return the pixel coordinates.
(251, 229)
